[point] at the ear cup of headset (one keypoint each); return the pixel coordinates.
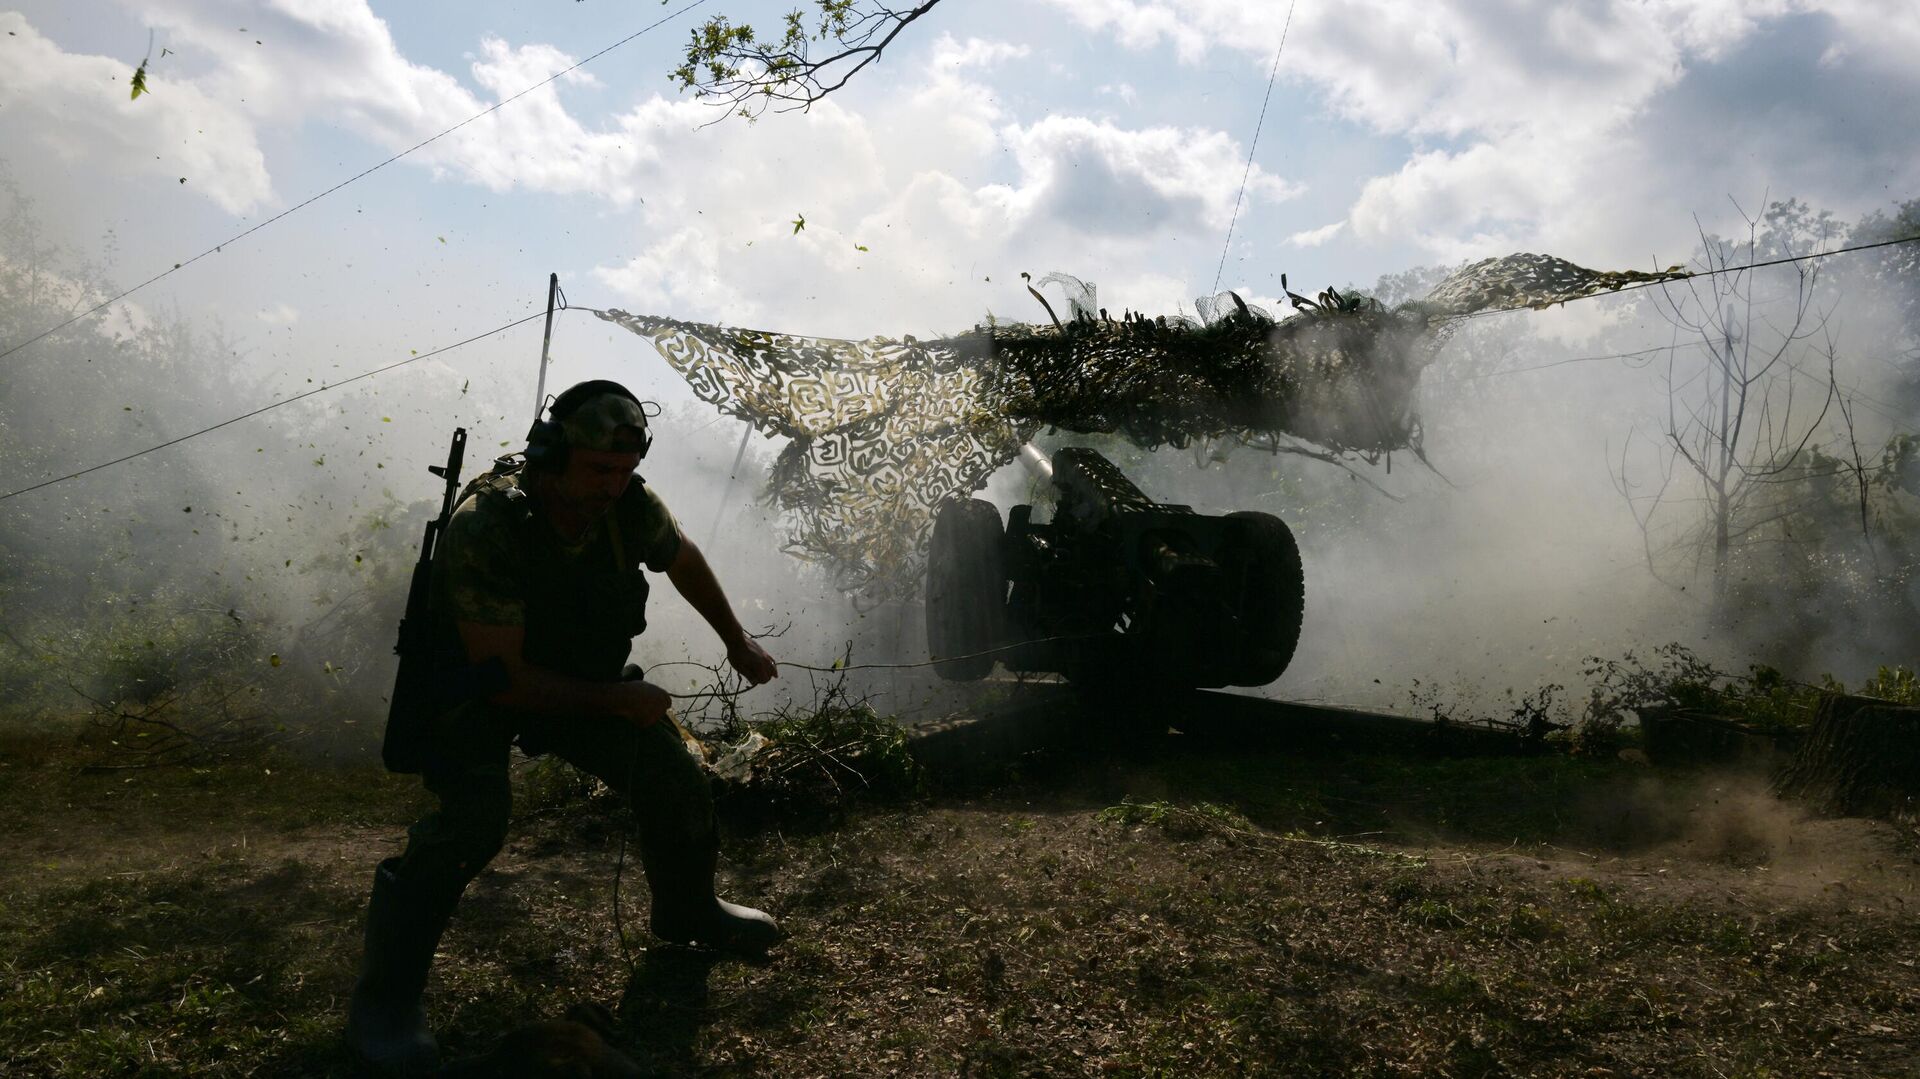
(547, 448)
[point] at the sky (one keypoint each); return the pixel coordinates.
(1108, 139)
(1103, 138)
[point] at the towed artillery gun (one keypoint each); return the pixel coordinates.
(1112, 582)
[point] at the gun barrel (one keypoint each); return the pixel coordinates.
(1036, 461)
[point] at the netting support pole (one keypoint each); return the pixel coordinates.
(719, 514)
(546, 344)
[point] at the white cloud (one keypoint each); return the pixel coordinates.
(1143, 25)
(1097, 176)
(86, 115)
(974, 52)
(280, 314)
(914, 183)
(304, 60)
(1316, 237)
(937, 181)
(1554, 124)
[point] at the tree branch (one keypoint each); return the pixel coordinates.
(731, 66)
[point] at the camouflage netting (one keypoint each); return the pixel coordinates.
(882, 431)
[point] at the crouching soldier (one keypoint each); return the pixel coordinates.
(540, 578)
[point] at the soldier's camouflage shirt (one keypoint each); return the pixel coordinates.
(581, 604)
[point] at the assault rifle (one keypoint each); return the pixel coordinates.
(418, 685)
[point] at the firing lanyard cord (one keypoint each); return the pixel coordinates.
(633, 764)
(728, 694)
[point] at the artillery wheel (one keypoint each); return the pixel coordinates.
(1275, 591)
(966, 588)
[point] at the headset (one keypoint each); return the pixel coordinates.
(547, 448)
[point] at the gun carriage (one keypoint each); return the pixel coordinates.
(1112, 581)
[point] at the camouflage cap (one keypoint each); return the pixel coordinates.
(607, 421)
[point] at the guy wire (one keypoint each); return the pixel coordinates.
(1248, 171)
(270, 407)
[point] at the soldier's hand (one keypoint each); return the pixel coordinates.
(646, 703)
(752, 661)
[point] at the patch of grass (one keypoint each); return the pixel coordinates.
(1433, 914)
(1200, 928)
(195, 970)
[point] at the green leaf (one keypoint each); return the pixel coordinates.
(139, 81)
(799, 222)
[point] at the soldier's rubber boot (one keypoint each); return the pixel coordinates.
(685, 910)
(386, 1024)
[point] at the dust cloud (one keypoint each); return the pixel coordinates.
(271, 555)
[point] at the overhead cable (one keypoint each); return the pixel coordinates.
(270, 407)
(489, 110)
(1687, 276)
(1253, 145)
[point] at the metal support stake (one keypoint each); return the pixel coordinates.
(732, 474)
(546, 343)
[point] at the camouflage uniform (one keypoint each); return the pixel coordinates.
(580, 605)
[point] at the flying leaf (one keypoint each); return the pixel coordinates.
(139, 81)
(856, 247)
(799, 222)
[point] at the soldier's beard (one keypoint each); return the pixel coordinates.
(571, 514)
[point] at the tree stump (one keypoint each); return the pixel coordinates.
(1861, 757)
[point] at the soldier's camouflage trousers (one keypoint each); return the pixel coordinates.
(468, 770)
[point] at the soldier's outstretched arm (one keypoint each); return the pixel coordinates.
(693, 578)
(538, 689)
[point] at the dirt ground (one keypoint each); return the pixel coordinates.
(1180, 908)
